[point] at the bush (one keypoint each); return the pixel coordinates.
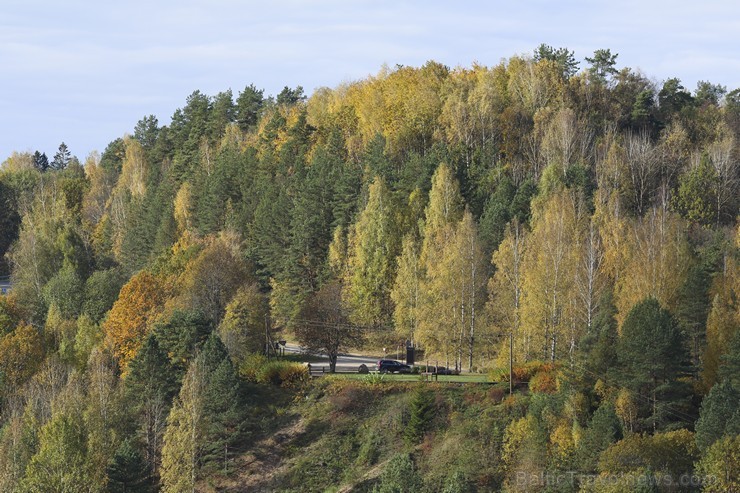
(283, 373)
(544, 380)
(525, 372)
(375, 378)
(720, 465)
(399, 475)
(257, 368)
(498, 375)
(251, 366)
(522, 373)
(671, 452)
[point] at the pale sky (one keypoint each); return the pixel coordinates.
(84, 71)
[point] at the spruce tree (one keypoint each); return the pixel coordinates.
(61, 158)
(40, 161)
(422, 412)
(128, 471)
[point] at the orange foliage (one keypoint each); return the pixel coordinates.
(21, 353)
(128, 322)
(544, 381)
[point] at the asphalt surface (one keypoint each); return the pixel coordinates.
(345, 362)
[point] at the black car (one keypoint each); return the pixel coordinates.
(392, 366)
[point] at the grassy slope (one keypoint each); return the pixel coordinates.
(337, 434)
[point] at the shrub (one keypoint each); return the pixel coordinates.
(257, 368)
(544, 380)
(498, 375)
(671, 452)
(496, 394)
(375, 378)
(251, 366)
(399, 475)
(283, 373)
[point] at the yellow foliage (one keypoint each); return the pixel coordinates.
(549, 274)
(657, 262)
(720, 466)
(672, 452)
(626, 409)
(129, 321)
(21, 353)
(562, 442)
(183, 209)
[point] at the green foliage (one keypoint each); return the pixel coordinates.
(243, 327)
(720, 415)
(127, 471)
(9, 314)
(149, 387)
(421, 413)
(61, 463)
(673, 453)
(10, 221)
(61, 159)
(101, 291)
(182, 335)
(65, 291)
(652, 360)
(248, 107)
(602, 64)
(89, 335)
(695, 199)
(374, 244)
(224, 406)
(720, 465)
(399, 476)
(562, 56)
(205, 421)
(456, 483)
(603, 430)
(730, 368)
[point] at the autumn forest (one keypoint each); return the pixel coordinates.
(575, 219)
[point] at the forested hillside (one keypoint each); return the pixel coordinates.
(583, 216)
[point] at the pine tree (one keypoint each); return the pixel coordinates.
(224, 407)
(248, 107)
(150, 386)
(206, 420)
(652, 361)
(720, 415)
(182, 336)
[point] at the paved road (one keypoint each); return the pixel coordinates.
(345, 362)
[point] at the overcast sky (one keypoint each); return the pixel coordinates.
(84, 72)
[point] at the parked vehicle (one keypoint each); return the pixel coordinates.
(392, 366)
